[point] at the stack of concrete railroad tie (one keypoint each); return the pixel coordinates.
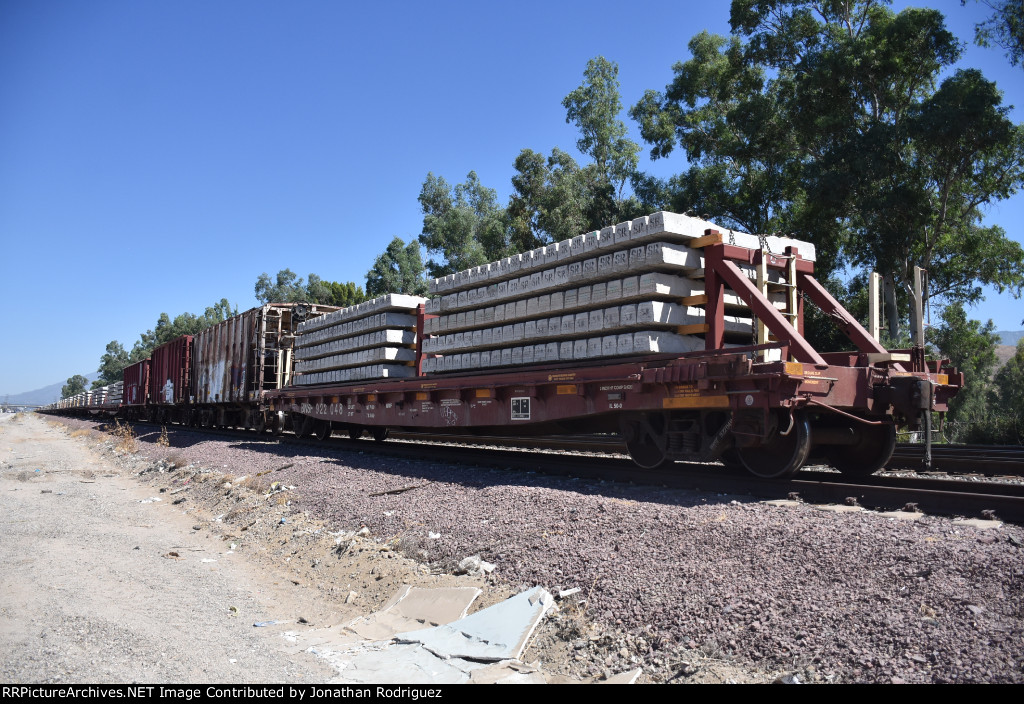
(371, 340)
(632, 289)
(109, 395)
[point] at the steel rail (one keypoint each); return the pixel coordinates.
(940, 497)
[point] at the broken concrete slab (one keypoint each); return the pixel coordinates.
(508, 672)
(415, 607)
(390, 663)
(499, 632)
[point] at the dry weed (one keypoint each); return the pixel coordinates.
(81, 432)
(163, 440)
(176, 460)
(127, 442)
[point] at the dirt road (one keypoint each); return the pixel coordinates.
(151, 600)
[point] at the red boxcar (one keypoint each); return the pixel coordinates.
(169, 372)
(136, 384)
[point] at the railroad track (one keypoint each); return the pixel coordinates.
(989, 460)
(971, 498)
(957, 459)
(927, 494)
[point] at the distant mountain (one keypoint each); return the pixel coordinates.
(1010, 338)
(45, 395)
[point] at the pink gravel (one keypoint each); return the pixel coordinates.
(855, 596)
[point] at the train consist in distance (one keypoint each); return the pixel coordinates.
(684, 338)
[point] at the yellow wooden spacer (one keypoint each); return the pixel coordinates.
(706, 240)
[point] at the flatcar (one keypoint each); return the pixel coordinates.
(685, 339)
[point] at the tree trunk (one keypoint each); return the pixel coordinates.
(892, 312)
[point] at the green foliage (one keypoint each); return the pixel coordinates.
(115, 359)
(594, 108)
(398, 270)
(463, 226)
(1008, 396)
(112, 362)
(971, 348)
(289, 287)
(824, 120)
(76, 384)
(333, 293)
(185, 324)
(1005, 28)
(820, 329)
(555, 198)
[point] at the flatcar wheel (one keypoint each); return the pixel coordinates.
(731, 459)
(783, 455)
(259, 423)
(355, 432)
(321, 430)
(278, 423)
(380, 434)
(872, 452)
(645, 440)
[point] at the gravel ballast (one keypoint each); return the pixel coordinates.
(852, 596)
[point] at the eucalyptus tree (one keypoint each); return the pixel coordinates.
(1004, 28)
(594, 108)
(844, 124)
(76, 384)
(463, 225)
(398, 270)
(555, 197)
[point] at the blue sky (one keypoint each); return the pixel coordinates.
(158, 156)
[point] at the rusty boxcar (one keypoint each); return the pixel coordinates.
(136, 385)
(170, 372)
(236, 362)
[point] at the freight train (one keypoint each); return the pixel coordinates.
(684, 338)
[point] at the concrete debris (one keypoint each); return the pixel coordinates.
(565, 593)
(507, 673)
(474, 566)
(482, 648)
(386, 663)
(415, 607)
(499, 632)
